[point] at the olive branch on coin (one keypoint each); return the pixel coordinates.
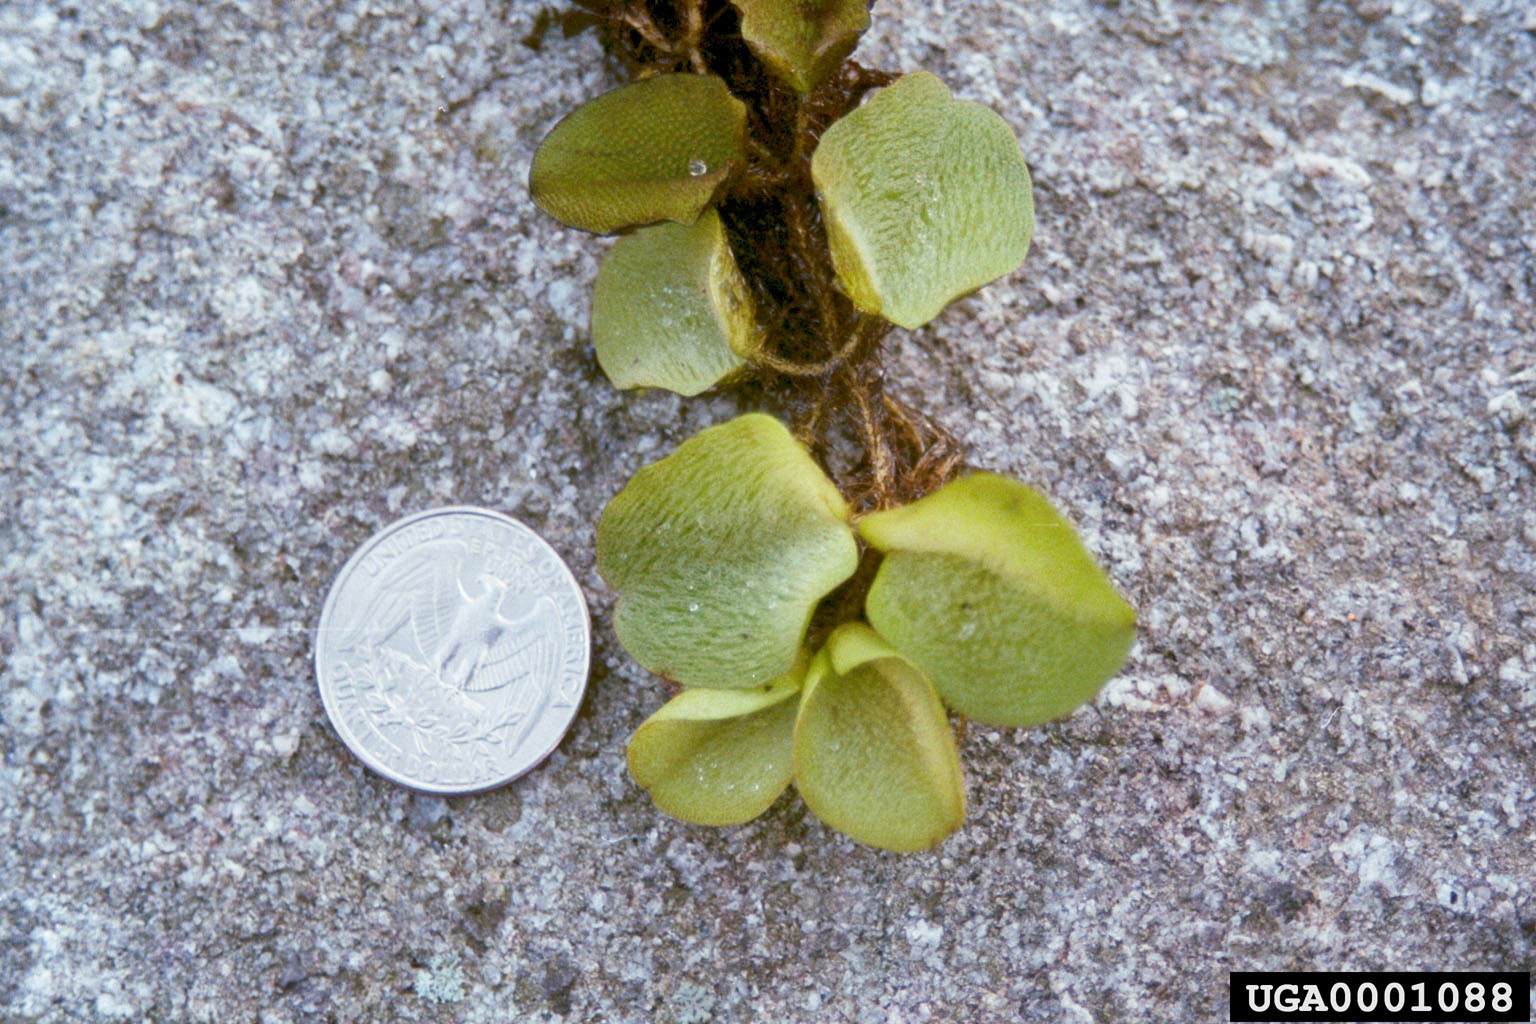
(815, 588)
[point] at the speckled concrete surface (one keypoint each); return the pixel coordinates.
(268, 279)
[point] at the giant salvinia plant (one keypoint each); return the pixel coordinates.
(774, 227)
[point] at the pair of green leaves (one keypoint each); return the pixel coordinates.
(859, 731)
(670, 308)
(721, 552)
(925, 197)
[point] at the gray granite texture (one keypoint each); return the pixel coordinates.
(269, 278)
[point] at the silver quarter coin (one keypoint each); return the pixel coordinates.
(453, 650)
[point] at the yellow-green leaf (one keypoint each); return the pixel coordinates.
(874, 754)
(925, 198)
(654, 150)
(671, 310)
(719, 553)
(988, 590)
(802, 41)
(718, 757)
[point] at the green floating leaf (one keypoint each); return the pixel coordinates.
(671, 310)
(719, 553)
(989, 591)
(802, 41)
(874, 754)
(718, 757)
(925, 197)
(655, 150)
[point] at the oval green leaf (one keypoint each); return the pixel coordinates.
(720, 552)
(987, 589)
(874, 755)
(925, 198)
(718, 757)
(654, 150)
(671, 310)
(802, 41)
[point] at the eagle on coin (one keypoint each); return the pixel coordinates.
(463, 654)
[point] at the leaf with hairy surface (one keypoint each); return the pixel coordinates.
(874, 754)
(654, 150)
(988, 590)
(719, 553)
(718, 757)
(925, 197)
(670, 309)
(802, 41)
